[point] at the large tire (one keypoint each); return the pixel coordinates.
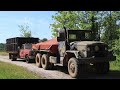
(102, 68)
(13, 58)
(45, 62)
(9, 55)
(74, 68)
(38, 60)
(27, 59)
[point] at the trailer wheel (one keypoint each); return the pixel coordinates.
(13, 58)
(27, 59)
(74, 67)
(38, 60)
(102, 68)
(44, 61)
(9, 55)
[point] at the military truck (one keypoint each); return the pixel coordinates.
(76, 49)
(21, 47)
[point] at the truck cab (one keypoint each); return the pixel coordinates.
(26, 52)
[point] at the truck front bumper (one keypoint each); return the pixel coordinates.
(97, 59)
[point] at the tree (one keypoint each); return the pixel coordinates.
(75, 20)
(25, 30)
(64, 18)
(111, 29)
(2, 46)
(107, 25)
(43, 40)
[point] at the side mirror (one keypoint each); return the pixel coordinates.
(60, 39)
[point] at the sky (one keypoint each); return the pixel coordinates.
(39, 22)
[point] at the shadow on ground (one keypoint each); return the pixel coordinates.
(23, 60)
(113, 74)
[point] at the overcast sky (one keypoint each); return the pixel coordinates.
(39, 22)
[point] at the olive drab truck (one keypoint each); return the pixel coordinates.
(75, 49)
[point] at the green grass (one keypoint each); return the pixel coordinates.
(115, 66)
(10, 71)
(4, 53)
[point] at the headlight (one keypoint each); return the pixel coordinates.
(96, 48)
(106, 48)
(88, 49)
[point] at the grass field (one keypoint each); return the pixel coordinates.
(10, 71)
(3, 53)
(114, 66)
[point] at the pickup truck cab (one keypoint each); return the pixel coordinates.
(26, 52)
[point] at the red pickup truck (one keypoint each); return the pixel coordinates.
(27, 53)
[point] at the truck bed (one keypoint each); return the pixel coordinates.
(51, 45)
(12, 44)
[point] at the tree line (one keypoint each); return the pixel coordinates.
(2, 46)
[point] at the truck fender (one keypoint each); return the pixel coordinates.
(73, 53)
(68, 55)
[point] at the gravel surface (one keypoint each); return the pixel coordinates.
(58, 72)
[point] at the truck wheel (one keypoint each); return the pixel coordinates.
(13, 58)
(44, 62)
(27, 59)
(9, 55)
(102, 68)
(38, 60)
(74, 67)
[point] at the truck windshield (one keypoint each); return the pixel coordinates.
(80, 35)
(28, 46)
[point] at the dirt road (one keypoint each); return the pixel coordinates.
(58, 72)
(49, 74)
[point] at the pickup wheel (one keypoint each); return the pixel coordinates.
(102, 68)
(27, 59)
(38, 60)
(74, 67)
(45, 62)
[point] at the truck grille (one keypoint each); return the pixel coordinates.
(100, 53)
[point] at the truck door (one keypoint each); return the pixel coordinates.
(22, 52)
(61, 43)
(62, 48)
